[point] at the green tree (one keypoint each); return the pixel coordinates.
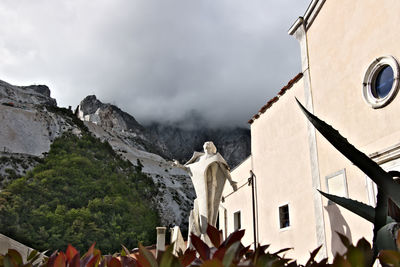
(83, 192)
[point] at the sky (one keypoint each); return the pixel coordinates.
(156, 59)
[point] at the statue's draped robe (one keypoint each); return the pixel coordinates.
(208, 174)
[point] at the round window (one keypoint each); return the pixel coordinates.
(380, 83)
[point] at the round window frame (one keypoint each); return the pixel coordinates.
(369, 79)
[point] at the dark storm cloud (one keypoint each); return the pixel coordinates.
(156, 59)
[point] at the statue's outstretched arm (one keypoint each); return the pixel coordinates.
(176, 163)
(228, 176)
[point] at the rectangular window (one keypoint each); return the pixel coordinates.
(237, 220)
(284, 216)
(336, 184)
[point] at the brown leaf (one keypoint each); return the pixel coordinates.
(201, 247)
(214, 235)
(188, 257)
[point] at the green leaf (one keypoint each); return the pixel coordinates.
(365, 211)
(230, 254)
(381, 211)
(32, 255)
(362, 161)
(386, 237)
(168, 259)
(125, 251)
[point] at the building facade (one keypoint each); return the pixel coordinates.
(349, 78)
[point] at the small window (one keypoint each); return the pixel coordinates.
(237, 220)
(284, 216)
(380, 84)
(336, 184)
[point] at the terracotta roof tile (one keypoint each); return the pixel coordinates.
(276, 98)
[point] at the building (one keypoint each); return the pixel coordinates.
(349, 78)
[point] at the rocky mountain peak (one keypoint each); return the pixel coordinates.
(41, 89)
(107, 115)
(90, 104)
(26, 95)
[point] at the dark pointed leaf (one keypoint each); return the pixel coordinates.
(381, 211)
(232, 238)
(243, 250)
(365, 211)
(214, 235)
(188, 257)
(345, 240)
(362, 161)
(201, 247)
(312, 255)
(282, 250)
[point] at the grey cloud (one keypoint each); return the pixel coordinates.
(155, 59)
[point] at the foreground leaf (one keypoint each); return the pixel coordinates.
(362, 161)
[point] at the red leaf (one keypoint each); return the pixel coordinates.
(70, 253)
(114, 262)
(60, 260)
(188, 257)
(93, 260)
(75, 261)
(219, 254)
(52, 259)
(128, 261)
(232, 238)
(142, 262)
(91, 249)
(214, 235)
(201, 247)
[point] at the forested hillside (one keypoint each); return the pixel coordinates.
(83, 192)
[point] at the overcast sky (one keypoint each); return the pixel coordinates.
(156, 59)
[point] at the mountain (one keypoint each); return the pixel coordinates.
(31, 121)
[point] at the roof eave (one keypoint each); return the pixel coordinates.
(309, 16)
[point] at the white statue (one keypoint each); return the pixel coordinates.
(208, 172)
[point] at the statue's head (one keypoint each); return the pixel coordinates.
(209, 148)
